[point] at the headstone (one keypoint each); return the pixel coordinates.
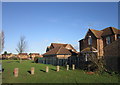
(73, 67)
(32, 70)
(16, 71)
(58, 68)
(47, 68)
(67, 67)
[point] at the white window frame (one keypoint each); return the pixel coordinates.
(86, 57)
(90, 40)
(108, 40)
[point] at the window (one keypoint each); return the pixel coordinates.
(86, 58)
(119, 37)
(107, 40)
(90, 40)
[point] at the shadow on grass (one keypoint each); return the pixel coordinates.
(54, 69)
(18, 61)
(3, 70)
(9, 61)
(33, 62)
(29, 72)
(42, 70)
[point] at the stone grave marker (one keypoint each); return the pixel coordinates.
(16, 71)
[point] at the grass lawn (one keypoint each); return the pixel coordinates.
(63, 76)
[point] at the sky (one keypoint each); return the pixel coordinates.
(43, 23)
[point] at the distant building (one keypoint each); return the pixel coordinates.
(33, 55)
(8, 55)
(59, 50)
(23, 55)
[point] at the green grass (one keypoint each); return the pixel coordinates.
(63, 76)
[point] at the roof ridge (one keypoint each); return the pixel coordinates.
(96, 30)
(57, 43)
(59, 49)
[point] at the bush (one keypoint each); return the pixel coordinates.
(36, 59)
(14, 58)
(4, 58)
(24, 58)
(90, 66)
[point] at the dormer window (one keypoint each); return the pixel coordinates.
(89, 40)
(107, 40)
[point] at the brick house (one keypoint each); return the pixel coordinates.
(8, 55)
(23, 55)
(59, 51)
(96, 41)
(67, 46)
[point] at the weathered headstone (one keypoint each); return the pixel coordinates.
(32, 70)
(47, 68)
(58, 68)
(73, 67)
(16, 71)
(67, 67)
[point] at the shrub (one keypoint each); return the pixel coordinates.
(13, 58)
(36, 59)
(4, 58)
(24, 58)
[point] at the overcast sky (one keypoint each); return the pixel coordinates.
(43, 23)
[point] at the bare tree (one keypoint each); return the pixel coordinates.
(22, 46)
(1, 40)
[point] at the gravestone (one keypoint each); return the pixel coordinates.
(73, 67)
(58, 68)
(16, 71)
(67, 67)
(47, 68)
(32, 70)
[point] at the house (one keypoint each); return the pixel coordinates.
(33, 55)
(23, 55)
(97, 42)
(8, 55)
(59, 51)
(54, 45)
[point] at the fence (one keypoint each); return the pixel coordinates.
(61, 62)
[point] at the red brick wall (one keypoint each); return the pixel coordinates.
(112, 39)
(112, 55)
(112, 49)
(100, 47)
(84, 43)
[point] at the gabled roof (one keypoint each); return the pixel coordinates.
(58, 44)
(88, 49)
(58, 51)
(22, 54)
(54, 45)
(110, 31)
(34, 54)
(104, 32)
(97, 33)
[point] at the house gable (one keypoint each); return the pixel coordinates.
(70, 47)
